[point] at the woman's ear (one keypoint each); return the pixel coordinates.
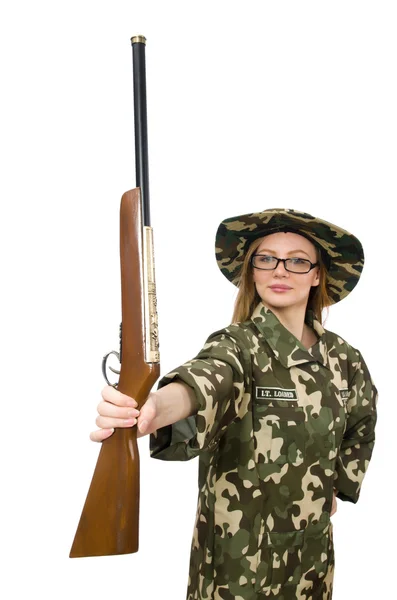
(317, 278)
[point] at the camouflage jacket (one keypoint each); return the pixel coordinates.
(278, 426)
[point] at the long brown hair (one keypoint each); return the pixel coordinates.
(248, 298)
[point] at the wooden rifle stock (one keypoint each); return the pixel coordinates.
(109, 523)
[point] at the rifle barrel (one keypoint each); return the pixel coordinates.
(140, 124)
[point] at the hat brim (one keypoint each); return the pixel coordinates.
(342, 252)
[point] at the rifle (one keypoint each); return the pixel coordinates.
(109, 522)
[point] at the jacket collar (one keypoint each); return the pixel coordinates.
(285, 346)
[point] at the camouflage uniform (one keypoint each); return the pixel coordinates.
(278, 426)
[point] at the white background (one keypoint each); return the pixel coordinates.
(251, 105)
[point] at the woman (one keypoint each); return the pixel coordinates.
(281, 412)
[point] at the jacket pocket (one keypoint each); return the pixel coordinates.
(279, 561)
(294, 558)
(279, 434)
(317, 552)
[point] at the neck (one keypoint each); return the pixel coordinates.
(293, 319)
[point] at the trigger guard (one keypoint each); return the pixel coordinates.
(104, 361)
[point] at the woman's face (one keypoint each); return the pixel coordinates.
(296, 286)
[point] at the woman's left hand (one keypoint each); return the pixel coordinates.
(334, 504)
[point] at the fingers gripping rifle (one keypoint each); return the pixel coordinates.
(109, 523)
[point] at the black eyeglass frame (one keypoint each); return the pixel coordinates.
(283, 260)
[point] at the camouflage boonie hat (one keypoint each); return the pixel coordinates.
(341, 251)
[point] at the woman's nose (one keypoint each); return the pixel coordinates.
(280, 269)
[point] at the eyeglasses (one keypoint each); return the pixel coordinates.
(270, 263)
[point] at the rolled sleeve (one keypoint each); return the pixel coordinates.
(216, 375)
(359, 437)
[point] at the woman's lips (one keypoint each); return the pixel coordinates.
(278, 288)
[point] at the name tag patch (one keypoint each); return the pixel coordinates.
(272, 393)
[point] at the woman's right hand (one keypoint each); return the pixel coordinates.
(118, 410)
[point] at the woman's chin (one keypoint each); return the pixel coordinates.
(277, 299)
